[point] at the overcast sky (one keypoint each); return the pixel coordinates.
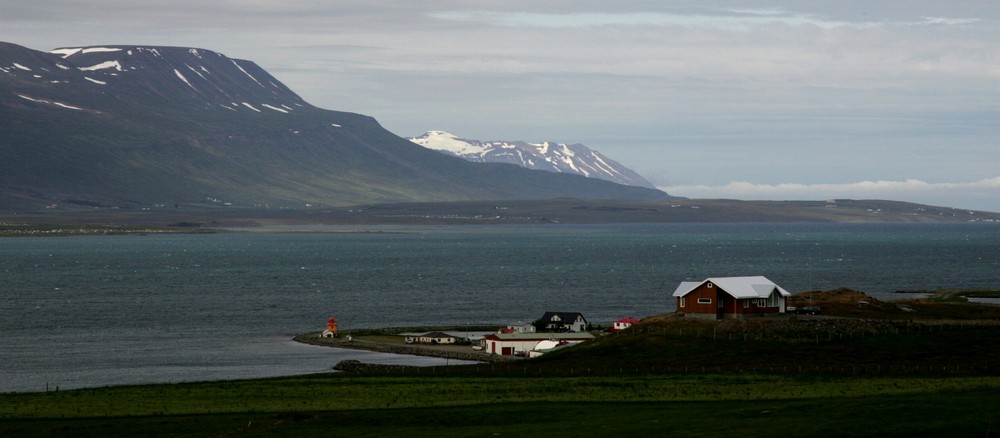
(737, 99)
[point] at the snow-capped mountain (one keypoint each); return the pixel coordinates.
(552, 157)
(146, 126)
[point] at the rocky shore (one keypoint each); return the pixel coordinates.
(442, 351)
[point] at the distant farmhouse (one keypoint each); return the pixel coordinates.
(562, 322)
(520, 327)
(730, 298)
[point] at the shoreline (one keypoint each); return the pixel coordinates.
(440, 351)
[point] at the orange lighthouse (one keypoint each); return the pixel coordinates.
(331, 328)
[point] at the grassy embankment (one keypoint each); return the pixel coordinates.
(802, 377)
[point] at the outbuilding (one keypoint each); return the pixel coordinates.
(433, 338)
(520, 327)
(623, 323)
(506, 344)
(730, 297)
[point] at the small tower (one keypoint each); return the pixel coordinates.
(331, 328)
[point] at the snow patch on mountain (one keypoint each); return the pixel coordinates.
(195, 71)
(179, 75)
(104, 65)
(248, 74)
(448, 142)
(280, 110)
(548, 156)
(65, 52)
(50, 102)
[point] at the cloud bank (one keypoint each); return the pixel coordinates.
(696, 92)
(982, 194)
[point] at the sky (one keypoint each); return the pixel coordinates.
(780, 100)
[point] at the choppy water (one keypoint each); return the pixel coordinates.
(93, 311)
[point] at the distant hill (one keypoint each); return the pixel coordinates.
(159, 127)
(550, 211)
(575, 211)
(552, 157)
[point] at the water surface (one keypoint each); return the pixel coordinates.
(100, 310)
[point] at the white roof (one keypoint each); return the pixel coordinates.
(547, 345)
(686, 286)
(738, 287)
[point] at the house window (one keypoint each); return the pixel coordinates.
(746, 304)
(720, 302)
(709, 285)
(704, 301)
(760, 302)
(683, 299)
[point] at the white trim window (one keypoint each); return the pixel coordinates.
(746, 304)
(704, 301)
(683, 299)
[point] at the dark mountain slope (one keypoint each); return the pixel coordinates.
(139, 126)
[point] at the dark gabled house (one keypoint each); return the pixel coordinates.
(562, 322)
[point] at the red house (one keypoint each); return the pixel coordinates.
(730, 297)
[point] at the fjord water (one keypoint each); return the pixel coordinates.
(85, 311)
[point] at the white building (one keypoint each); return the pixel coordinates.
(506, 344)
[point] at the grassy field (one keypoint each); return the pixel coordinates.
(462, 405)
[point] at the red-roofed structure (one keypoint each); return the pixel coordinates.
(623, 323)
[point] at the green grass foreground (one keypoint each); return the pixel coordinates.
(463, 405)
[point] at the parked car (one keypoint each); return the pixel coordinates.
(808, 310)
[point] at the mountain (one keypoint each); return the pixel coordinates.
(147, 127)
(552, 157)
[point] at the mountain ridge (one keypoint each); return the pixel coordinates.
(548, 156)
(143, 126)
(550, 212)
